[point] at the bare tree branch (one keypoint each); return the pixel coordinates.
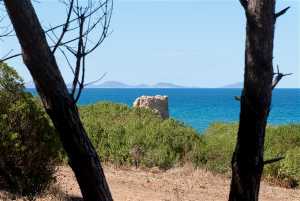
(276, 80)
(6, 29)
(282, 12)
(278, 77)
(274, 160)
(87, 24)
(8, 53)
(95, 81)
(66, 25)
(79, 56)
(91, 19)
(6, 57)
(237, 98)
(57, 100)
(81, 84)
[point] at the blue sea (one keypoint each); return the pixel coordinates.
(201, 107)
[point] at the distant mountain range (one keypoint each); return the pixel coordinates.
(238, 85)
(115, 84)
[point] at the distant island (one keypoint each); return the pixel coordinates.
(117, 84)
(238, 85)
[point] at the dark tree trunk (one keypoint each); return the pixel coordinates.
(58, 103)
(247, 161)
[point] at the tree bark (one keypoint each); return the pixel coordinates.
(58, 103)
(248, 157)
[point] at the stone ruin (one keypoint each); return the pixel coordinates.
(159, 104)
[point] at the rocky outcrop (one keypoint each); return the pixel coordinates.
(159, 104)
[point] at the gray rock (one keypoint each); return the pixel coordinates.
(159, 104)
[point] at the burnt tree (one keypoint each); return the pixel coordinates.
(259, 81)
(59, 103)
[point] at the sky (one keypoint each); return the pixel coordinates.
(197, 43)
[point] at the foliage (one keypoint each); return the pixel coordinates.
(219, 140)
(123, 136)
(126, 136)
(289, 168)
(28, 143)
(284, 141)
(29, 146)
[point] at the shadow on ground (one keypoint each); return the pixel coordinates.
(75, 198)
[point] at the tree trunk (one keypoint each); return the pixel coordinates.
(247, 160)
(58, 103)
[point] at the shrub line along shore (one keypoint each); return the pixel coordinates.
(123, 136)
(135, 136)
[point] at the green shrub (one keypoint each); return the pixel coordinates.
(219, 142)
(289, 168)
(127, 136)
(220, 139)
(28, 143)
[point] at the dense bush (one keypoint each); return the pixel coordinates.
(28, 143)
(280, 141)
(219, 142)
(283, 141)
(123, 135)
(29, 146)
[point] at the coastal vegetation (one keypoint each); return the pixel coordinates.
(118, 131)
(127, 136)
(90, 22)
(29, 145)
(281, 141)
(124, 136)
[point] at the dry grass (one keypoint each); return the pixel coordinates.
(177, 184)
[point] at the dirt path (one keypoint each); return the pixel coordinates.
(179, 184)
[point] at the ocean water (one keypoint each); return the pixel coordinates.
(200, 107)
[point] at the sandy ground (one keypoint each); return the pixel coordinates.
(178, 184)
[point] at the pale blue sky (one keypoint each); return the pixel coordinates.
(192, 43)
